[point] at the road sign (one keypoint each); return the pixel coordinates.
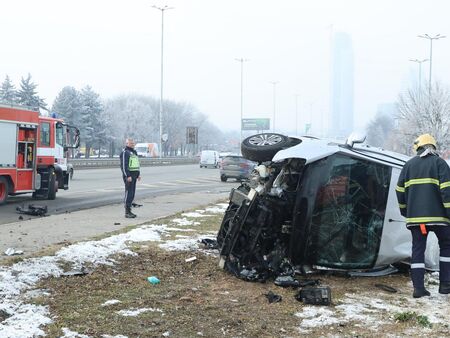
(255, 124)
(191, 135)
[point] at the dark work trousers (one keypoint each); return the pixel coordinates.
(130, 190)
(419, 243)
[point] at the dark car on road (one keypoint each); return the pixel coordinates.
(235, 166)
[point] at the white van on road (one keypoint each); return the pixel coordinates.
(209, 158)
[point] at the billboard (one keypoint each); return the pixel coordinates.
(255, 124)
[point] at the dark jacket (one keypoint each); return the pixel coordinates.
(423, 191)
(124, 162)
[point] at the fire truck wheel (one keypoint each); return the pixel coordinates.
(52, 185)
(4, 190)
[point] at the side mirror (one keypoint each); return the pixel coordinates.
(355, 138)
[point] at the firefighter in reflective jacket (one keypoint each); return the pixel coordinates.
(129, 163)
(423, 193)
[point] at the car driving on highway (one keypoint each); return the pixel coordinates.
(235, 166)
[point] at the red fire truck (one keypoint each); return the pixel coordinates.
(33, 153)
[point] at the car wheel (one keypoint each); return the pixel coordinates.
(4, 190)
(263, 147)
(223, 178)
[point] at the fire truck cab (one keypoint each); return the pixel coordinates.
(33, 153)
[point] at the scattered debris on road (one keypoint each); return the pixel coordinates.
(33, 210)
(272, 297)
(13, 252)
(153, 280)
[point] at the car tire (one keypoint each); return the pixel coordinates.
(223, 178)
(263, 147)
(4, 190)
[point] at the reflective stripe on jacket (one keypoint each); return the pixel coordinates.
(125, 161)
(423, 191)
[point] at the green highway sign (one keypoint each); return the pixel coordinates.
(255, 124)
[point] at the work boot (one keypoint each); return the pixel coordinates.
(129, 214)
(420, 292)
(444, 288)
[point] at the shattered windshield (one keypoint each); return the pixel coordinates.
(348, 212)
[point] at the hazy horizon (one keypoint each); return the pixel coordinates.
(114, 46)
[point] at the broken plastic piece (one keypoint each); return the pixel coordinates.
(136, 205)
(153, 280)
(81, 272)
(33, 210)
(286, 281)
(273, 298)
(13, 252)
(309, 282)
(190, 259)
(209, 243)
(320, 295)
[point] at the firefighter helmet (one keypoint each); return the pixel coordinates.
(423, 140)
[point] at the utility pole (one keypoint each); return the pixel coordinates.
(274, 83)
(242, 60)
(162, 9)
(296, 113)
(431, 38)
(420, 69)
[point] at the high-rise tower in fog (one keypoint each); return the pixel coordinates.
(342, 85)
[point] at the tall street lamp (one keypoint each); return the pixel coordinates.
(431, 38)
(296, 113)
(274, 83)
(162, 9)
(420, 69)
(242, 60)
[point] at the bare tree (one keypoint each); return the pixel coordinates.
(379, 130)
(424, 111)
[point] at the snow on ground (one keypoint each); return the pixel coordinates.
(184, 221)
(137, 312)
(17, 281)
(195, 215)
(368, 311)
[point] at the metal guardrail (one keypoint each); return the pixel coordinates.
(92, 163)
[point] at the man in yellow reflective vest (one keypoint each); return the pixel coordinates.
(423, 194)
(129, 164)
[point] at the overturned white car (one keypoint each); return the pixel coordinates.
(313, 203)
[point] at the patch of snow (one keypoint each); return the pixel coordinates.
(181, 244)
(72, 334)
(111, 302)
(36, 293)
(97, 252)
(166, 334)
(216, 209)
(179, 229)
(195, 215)
(184, 221)
(25, 321)
(137, 312)
(316, 316)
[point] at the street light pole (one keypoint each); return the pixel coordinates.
(296, 114)
(431, 38)
(274, 83)
(162, 9)
(420, 69)
(242, 60)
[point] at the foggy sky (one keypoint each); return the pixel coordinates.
(114, 46)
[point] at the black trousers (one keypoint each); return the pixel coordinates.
(130, 191)
(419, 243)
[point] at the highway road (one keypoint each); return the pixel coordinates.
(97, 187)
